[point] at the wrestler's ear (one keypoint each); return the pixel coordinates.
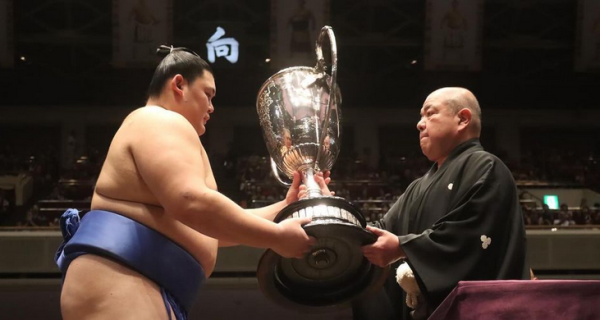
(464, 118)
(176, 84)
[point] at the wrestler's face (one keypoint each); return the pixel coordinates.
(198, 100)
(438, 128)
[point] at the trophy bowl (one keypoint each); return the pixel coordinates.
(299, 114)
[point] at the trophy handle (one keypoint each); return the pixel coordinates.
(276, 174)
(320, 67)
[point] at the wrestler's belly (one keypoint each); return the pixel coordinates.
(201, 247)
(97, 288)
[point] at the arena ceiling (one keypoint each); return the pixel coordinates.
(528, 50)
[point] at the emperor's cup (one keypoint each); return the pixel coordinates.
(299, 112)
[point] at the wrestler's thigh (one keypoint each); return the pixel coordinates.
(96, 288)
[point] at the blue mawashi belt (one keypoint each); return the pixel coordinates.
(142, 249)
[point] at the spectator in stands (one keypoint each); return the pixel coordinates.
(4, 208)
(565, 216)
(33, 217)
(460, 221)
(4, 203)
(595, 214)
(156, 197)
(546, 216)
(70, 150)
(527, 215)
(586, 216)
(579, 215)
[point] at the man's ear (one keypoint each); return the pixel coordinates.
(464, 117)
(176, 84)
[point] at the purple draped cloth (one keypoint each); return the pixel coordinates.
(522, 299)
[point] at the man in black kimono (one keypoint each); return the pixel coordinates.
(460, 221)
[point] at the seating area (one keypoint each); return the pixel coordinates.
(247, 179)
(375, 191)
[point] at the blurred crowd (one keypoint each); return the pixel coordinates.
(248, 180)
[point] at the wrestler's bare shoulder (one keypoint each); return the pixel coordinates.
(149, 115)
(120, 177)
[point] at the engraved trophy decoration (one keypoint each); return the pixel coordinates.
(300, 116)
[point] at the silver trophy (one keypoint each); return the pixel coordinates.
(299, 112)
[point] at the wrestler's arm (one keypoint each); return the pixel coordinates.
(167, 154)
(268, 212)
(295, 192)
(209, 176)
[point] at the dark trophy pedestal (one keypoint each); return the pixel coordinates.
(335, 271)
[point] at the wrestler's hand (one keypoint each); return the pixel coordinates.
(293, 191)
(385, 250)
(323, 181)
(293, 241)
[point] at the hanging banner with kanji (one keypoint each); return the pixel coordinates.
(453, 35)
(6, 34)
(139, 27)
(587, 46)
(295, 26)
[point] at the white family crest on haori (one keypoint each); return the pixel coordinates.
(485, 241)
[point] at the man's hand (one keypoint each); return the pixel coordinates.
(293, 241)
(322, 180)
(385, 250)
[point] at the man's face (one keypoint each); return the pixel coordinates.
(198, 101)
(327, 143)
(287, 139)
(438, 128)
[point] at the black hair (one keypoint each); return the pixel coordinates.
(181, 61)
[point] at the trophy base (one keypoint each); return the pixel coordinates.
(335, 272)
